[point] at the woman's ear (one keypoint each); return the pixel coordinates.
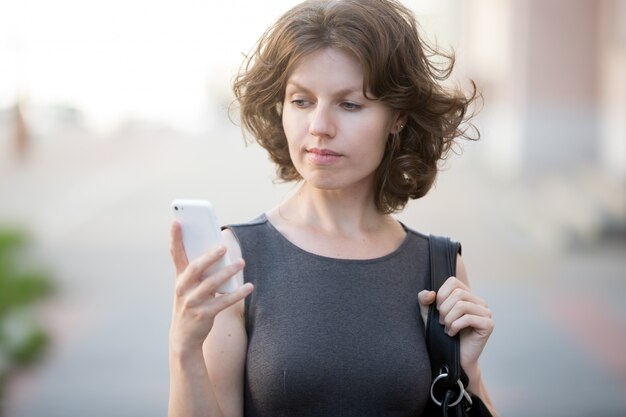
(399, 124)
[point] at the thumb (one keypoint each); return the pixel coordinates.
(425, 299)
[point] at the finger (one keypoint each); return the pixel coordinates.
(209, 286)
(448, 287)
(177, 251)
(481, 325)
(456, 296)
(194, 271)
(425, 298)
(226, 300)
(205, 294)
(464, 308)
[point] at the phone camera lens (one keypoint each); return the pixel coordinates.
(175, 207)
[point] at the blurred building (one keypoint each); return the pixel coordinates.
(554, 76)
(553, 125)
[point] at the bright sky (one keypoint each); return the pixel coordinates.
(115, 59)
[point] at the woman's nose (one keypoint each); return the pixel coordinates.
(322, 122)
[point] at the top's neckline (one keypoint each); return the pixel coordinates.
(382, 258)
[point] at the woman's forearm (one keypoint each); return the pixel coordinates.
(191, 393)
(477, 387)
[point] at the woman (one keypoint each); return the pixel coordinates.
(343, 97)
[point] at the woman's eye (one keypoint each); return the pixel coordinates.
(300, 102)
(350, 106)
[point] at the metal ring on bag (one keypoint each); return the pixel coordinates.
(462, 392)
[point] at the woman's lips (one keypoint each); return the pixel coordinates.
(322, 156)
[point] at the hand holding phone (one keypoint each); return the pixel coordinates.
(201, 233)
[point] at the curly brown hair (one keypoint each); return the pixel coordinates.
(400, 69)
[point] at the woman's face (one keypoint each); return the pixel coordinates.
(336, 135)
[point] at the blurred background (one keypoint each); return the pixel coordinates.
(109, 110)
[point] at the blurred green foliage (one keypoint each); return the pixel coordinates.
(22, 286)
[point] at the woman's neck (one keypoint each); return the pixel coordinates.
(334, 211)
(336, 224)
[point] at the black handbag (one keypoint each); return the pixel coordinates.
(448, 396)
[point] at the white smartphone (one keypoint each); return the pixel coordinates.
(201, 233)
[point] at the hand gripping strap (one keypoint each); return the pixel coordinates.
(444, 351)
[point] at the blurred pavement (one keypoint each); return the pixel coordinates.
(98, 209)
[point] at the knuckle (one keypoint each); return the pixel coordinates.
(200, 315)
(454, 326)
(194, 267)
(458, 292)
(188, 304)
(179, 291)
(453, 312)
(440, 299)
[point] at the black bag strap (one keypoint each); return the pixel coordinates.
(449, 380)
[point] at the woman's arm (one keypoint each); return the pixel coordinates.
(462, 311)
(226, 347)
(472, 345)
(205, 327)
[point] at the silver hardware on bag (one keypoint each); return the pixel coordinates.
(462, 392)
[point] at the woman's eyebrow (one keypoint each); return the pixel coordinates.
(343, 91)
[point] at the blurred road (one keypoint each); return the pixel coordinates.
(98, 209)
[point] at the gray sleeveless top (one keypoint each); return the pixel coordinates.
(333, 337)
